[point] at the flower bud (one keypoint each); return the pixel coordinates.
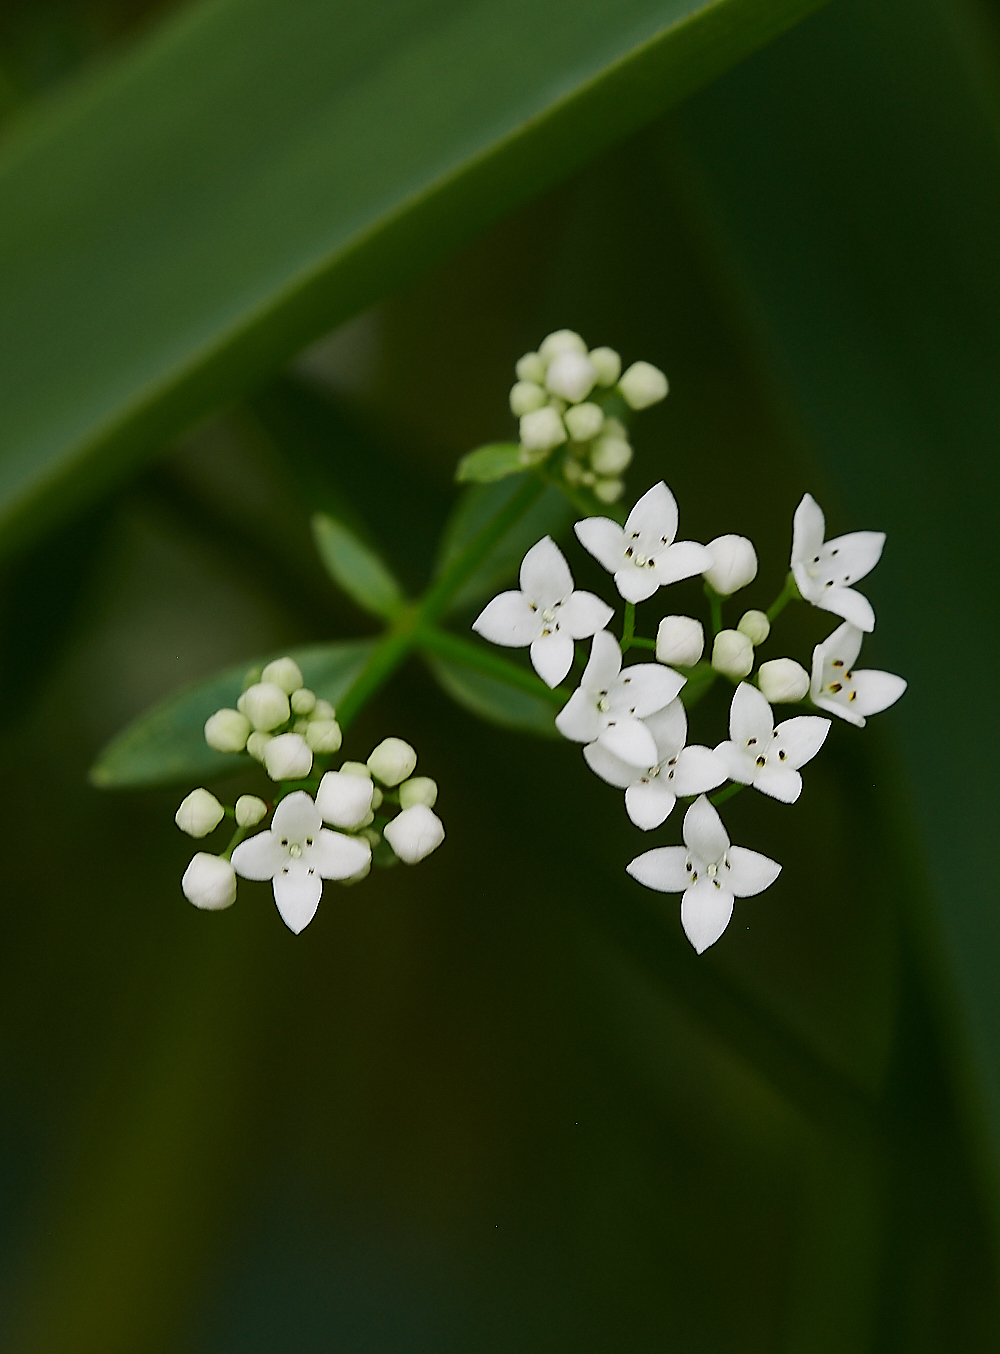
(256, 744)
(755, 625)
(584, 421)
(418, 790)
(250, 678)
(377, 798)
(572, 470)
(643, 385)
(283, 672)
(607, 364)
(355, 769)
(783, 681)
(302, 701)
(199, 814)
(363, 873)
(392, 761)
(608, 490)
(415, 833)
(541, 431)
(732, 654)
(562, 341)
(288, 757)
(250, 810)
(571, 376)
(526, 396)
(344, 800)
(610, 455)
(734, 564)
(227, 731)
(530, 367)
(209, 882)
(680, 640)
(265, 705)
(322, 710)
(301, 726)
(323, 735)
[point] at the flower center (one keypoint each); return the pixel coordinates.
(295, 851)
(712, 869)
(548, 615)
(604, 705)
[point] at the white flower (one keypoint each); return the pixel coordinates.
(209, 882)
(227, 731)
(766, 757)
(643, 385)
(571, 376)
(680, 640)
(824, 572)
(541, 430)
(414, 833)
(607, 364)
(838, 688)
(288, 757)
(199, 814)
(345, 799)
(250, 810)
(418, 790)
(783, 681)
(734, 564)
(547, 614)
(709, 872)
(643, 555)
(265, 705)
(392, 761)
(584, 421)
(297, 853)
(755, 625)
(732, 653)
(650, 795)
(609, 705)
(283, 672)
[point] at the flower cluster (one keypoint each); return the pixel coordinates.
(572, 398)
(631, 718)
(369, 812)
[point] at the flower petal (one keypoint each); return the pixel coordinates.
(808, 530)
(736, 762)
(296, 818)
(876, 690)
(800, 739)
(844, 643)
(583, 614)
(578, 720)
(260, 856)
(836, 705)
(635, 584)
(669, 727)
(545, 577)
(749, 872)
(336, 856)
(508, 620)
(644, 688)
(848, 558)
(780, 782)
(604, 663)
(706, 910)
(698, 769)
(853, 606)
(649, 803)
(681, 560)
(703, 831)
(629, 739)
(751, 722)
(662, 869)
(552, 656)
(297, 894)
(654, 517)
(604, 539)
(609, 767)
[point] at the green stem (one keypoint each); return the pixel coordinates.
(234, 842)
(789, 593)
(390, 652)
(715, 605)
(637, 642)
(628, 627)
(440, 643)
(725, 794)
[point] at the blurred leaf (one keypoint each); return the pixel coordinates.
(159, 254)
(356, 568)
(493, 462)
(493, 699)
(167, 745)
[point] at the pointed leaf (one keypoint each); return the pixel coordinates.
(493, 462)
(356, 568)
(494, 700)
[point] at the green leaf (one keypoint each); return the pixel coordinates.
(493, 462)
(494, 700)
(158, 255)
(167, 745)
(356, 568)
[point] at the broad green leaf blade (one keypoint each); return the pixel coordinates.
(356, 568)
(493, 462)
(167, 745)
(494, 700)
(176, 226)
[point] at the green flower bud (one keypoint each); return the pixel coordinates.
(755, 625)
(356, 769)
(610, 455)
(607, 364)
(256, 744)
(562, 341)
(209, 882)
(783, 681)
(418, 790)
(322, 710)
(323, 735)
(584, 421)
(643, 385)
(250, 810)
(265, 705)
(302, 701)
(531, 367)
(541, 431)
(526, 396)
(732, 654)
(283, 672)
(288, 757)
(609, 490)
(392, 761)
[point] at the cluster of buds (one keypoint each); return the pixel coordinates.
(373, 812)
(568, 397)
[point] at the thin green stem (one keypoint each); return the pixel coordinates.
(390, 652)
(725, 794)
(628, 627)
(715, 606)
(789, 593)
(234, 842)
(430, 640)
(637, 642)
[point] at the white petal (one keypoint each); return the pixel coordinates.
(847, 603)
(749, 872)
(604, 664)
(552, 656)
(578, 720)
(296, 818)
(845, 644)
(259, 857)
(848, 558)
(808, 530)
(297, 894)
(604, 539)
(737, 762)
(669, 727)
(703, 831)
(508, 620)
(800, 739)
(706, 910)
(839, 707)
(545, 576)
(629, 739)
(644, 688)
(635, 584)
(780, 782)
(698, 769)
(662, 869)
(750, 717)
(876, 690)
(609, 767)
(335, 856)
(681, 560)
(583, 614)
(654, 515)
(649, 803)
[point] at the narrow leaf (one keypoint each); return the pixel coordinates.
(493, 462)
(491, 686)
(356, 568)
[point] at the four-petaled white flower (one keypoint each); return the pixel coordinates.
(766, 757)
(650, 794)
(643, 555)
(609, 705)
(708, 870)
(824, 571)
(546, 614)
(297, 853)
(837, 687)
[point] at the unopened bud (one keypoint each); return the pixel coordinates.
(755, 625)
(415, 833)
(392, 761)
(541, 431)
(265, 705)
(250, 810)
(783, 681)
(608, 490)
(288, 757)
(256, 744)
(734, 564)
(199, 814)
(344, 800)
(607, 364)
(355, 769)
(209, 882)
(251, 677)
(572, 470)
(418, 790)
(643, 385)
(322, 710)
(584, 421)
(732, 654)
(363, 873)
(283, 672)
(572, 376)
(526, 396)
(680, 640)
(323, 735)
(377, 798)
(227, 731)
(302, 701)
(610, 455)
(530, 367)
(562, 341)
